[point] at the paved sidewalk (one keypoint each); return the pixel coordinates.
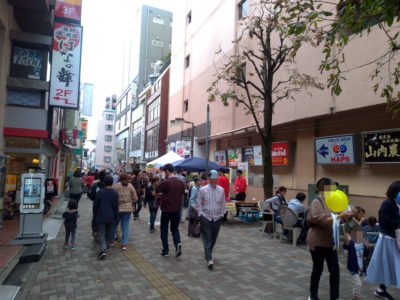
(247, 266)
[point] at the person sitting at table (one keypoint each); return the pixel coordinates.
(276, 201)
(297, 206)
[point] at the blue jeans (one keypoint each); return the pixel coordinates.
(153, 216)
(124, 218)
(166, 218)
(70, 232)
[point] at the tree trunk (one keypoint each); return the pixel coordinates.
(267, 147)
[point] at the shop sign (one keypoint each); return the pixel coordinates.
(84, 128)
(248, 155)
(182, 148)
(220, 158)
(335, 150)
(66, 65)
(70, 138)
(151, 154)
(381, 146)
(68, 9)
(27, 63)
(280, 153)
(234, 157)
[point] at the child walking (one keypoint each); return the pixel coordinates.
(70, 223)
(356, 259)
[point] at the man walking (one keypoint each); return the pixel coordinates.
(211, 208)
(172, 190)
(105, 213)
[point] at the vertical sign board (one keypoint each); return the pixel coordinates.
(381, 147)
(335, 150)
(68, 9)
(258, 158)
(280, 153)
(248, 155)
(66, 65)
(220, 158)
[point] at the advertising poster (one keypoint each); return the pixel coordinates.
(257, 152)
(70, 138)
(381, 147)
(66, 66)
(27, 63)
(280, 154)
(248, 155)
(335, 150)
(32, 190)
(220, 158)
(234, 157)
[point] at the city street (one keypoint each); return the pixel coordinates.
(247, 266)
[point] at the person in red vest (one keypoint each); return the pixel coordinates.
(240, 187)
(224, 183)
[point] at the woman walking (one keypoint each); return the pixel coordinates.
(76, 186)
(127, 199)
(321, 241)
(384, 267)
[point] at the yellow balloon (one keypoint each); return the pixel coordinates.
(336, 201)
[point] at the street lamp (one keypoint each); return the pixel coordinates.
(178, 121)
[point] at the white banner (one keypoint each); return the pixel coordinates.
(66, 66)
(335, 150)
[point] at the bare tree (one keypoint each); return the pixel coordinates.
(268, 44)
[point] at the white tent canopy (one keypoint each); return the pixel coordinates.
(168, 158)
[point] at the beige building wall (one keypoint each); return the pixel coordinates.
(357, 109)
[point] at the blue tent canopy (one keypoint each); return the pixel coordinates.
(196, 164)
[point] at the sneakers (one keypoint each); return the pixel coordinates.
(163, 253)
(178, 251)
(102, 255)
(65, 245)
(152, 230)
(210, 264)
(73, 246)
(124, 247)
(383, 294)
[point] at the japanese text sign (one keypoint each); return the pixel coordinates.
(280, 154)
(381, 147)
(65, 70)
(68, 9)
(335, 150)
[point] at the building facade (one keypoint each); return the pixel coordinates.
(304, 125)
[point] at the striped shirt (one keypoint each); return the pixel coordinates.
(211, 202)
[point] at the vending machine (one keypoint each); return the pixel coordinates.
(31, 209)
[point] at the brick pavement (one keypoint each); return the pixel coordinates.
(247, 266)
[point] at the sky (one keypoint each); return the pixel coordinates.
(105, 34)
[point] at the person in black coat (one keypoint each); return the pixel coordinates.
(105, 213)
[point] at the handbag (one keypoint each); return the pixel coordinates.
(397, 234)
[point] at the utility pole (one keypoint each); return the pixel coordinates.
(207, 137)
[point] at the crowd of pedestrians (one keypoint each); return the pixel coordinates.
(118, 197)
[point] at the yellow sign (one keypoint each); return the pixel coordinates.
(11, 183)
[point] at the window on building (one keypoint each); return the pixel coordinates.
(123, 104)
(187, 61)
(108, 138)
(109, 117)
(126, 119)
(107, 148)
(118, 108)
(26, 98)
(119, 124)
(186, 105)
(107, 159)
(243, 9)
(109, 127)
(28, 62)
(153, 110)
(152, 139)
(189, 17)
(158, 20)
(136, 135)
(157, 43)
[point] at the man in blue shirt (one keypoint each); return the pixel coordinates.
(297, 205)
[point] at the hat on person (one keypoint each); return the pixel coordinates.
(213, 174)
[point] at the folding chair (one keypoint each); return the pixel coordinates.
(289, 220)
(268, 219)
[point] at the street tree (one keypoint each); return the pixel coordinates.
(261, 69)
(338, 23)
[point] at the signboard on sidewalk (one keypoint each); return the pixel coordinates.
(280, 153)
(381, 147)
(66, 65)
(335, 150)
